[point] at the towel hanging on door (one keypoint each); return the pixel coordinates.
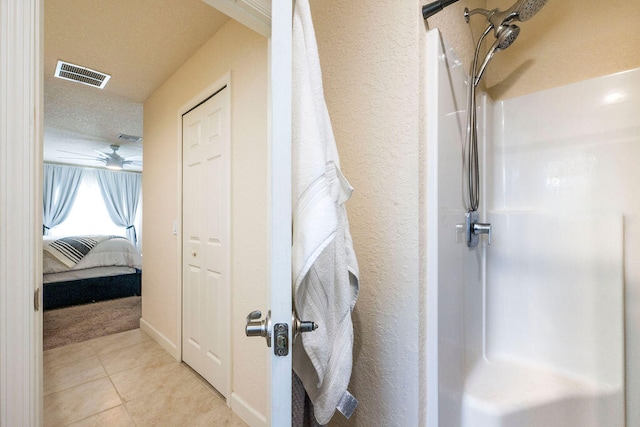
(325, 270)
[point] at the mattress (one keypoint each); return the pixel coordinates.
(86, 273)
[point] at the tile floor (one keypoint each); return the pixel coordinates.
(127, 379)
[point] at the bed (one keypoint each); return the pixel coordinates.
(84, 269)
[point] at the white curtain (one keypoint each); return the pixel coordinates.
(60, 189)
(121, 194)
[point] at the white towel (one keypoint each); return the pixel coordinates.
(325, 270)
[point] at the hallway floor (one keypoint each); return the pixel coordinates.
(127, 379)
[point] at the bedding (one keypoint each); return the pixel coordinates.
(84, 269)
(109, 251)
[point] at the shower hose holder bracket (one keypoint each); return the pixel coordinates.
(473, 229)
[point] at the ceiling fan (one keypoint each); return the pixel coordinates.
(112, 160)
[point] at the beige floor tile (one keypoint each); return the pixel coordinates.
(136, 382)
(116, 417)
(232, 420)
(67, 353)
(146, 353)
(80, 402)
(158, 391)
(72, 373)
(123, 339)
(184, 403)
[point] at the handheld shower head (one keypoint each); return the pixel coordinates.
(505, 38)
(503, 28)
(508, 35)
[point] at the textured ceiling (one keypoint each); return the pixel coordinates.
(139, 43)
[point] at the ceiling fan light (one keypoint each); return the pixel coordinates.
(113, 164)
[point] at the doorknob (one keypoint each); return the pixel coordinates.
(262, 328)
(301, 326)
(259, 328)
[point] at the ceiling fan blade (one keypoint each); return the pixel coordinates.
(77, 154)
(81, 158)
(132, 162)
(102, 154)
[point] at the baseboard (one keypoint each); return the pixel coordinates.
(158, 337)
(248, 414)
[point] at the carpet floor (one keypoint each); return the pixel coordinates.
(79, 323)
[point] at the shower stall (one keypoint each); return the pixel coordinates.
(530, 329)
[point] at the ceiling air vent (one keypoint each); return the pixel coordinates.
(83, 75)
(130, 138)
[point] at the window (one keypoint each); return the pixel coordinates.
(89, 214)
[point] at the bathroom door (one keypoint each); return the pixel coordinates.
(280, 222)
(278, 329)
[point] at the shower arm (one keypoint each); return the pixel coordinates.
(487, 13)
(497, 19)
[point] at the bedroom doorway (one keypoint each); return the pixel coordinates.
(206, 238)
(21, 372)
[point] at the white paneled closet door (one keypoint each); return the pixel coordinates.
(206, 235)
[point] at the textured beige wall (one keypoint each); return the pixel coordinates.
(566, 42)
(369, 58)
(234, 48)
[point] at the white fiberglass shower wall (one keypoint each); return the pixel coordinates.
(530, 331)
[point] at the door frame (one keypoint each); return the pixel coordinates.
(21, 123)
(202, 96)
